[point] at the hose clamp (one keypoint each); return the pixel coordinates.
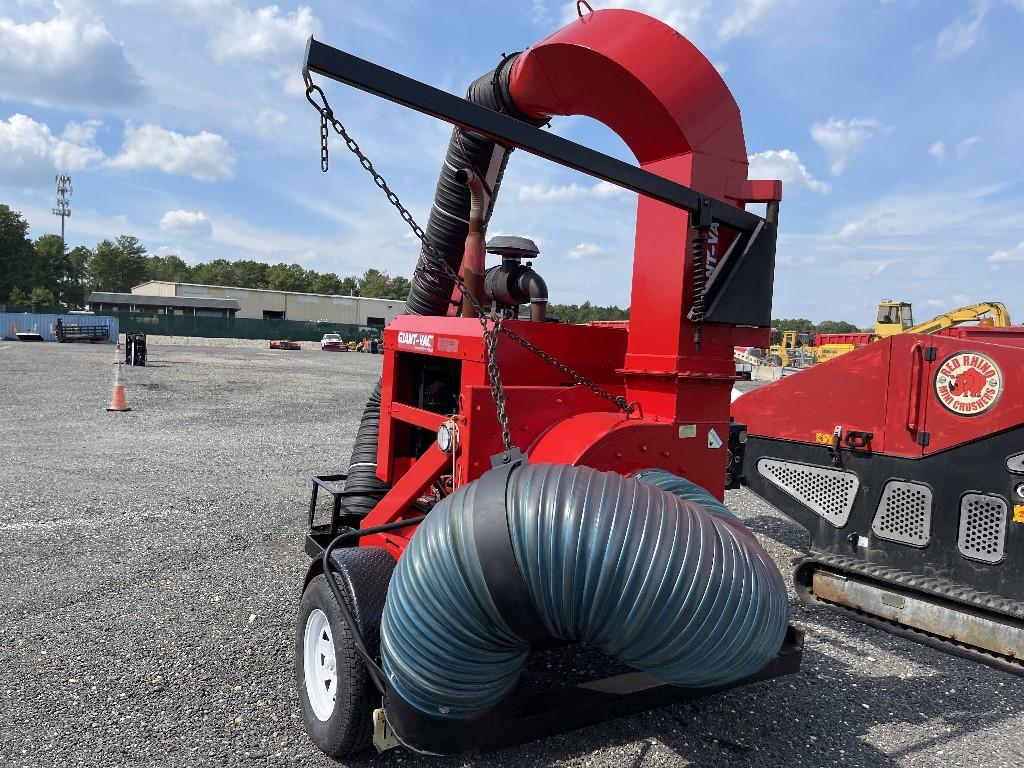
(502, 576)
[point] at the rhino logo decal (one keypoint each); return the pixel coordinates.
(968, 383)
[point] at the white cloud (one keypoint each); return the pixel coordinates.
(30, 152)
(66, 60)
(683, 16)
(842, 139)
(540, 14)
(879, 224)
(567, 193)
(254, 34)
(696, 19)
(584, 249)
(938, 150)
(82, 133)
(743, 18)
(204, 156)
(785, 165)
(1014, 255)
(964, 147)
(180, 251)
(269, 121)
(961, 36)
(193, 223)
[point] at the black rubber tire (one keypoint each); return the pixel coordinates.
(349, 729)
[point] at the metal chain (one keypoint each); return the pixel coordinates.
(492, 326)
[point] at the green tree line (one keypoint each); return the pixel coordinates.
(44, 273)
(803, 325)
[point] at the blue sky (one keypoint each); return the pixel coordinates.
(895, 125)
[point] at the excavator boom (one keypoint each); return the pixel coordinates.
(994, 310)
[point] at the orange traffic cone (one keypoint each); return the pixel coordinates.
(117, 399)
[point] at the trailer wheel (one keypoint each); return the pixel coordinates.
(335, 692)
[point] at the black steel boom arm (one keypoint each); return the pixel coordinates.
(372, 78)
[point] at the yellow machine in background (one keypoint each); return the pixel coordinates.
(896, 317)
(893, 317)
(988, 313)
(792, 351)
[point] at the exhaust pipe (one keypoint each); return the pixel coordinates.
(473, 257)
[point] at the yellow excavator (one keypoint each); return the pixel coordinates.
(794, 350)
(898, 317)
(987, 313)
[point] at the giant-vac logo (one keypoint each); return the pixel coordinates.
(416, 342)
(968, 383)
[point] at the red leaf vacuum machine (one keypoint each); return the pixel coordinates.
(520, 485)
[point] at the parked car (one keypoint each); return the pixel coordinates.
(332, 342)
(285, 344)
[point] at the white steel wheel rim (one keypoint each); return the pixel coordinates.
(320, 665)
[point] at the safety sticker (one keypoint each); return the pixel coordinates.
(823, 438)
(714, 441)
(968, 383)
(1018, 513)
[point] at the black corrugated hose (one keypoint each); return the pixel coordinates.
(446, 231)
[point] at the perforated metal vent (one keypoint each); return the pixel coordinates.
(904, 513)
(829, 493)
(982, 527)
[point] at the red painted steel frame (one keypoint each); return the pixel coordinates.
(672, 108)
(889, 388)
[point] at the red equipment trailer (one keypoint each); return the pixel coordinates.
(904, 460)
(484, 424)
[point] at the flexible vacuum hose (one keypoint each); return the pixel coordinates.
(446, 231)
(448, 224)
(657, 581)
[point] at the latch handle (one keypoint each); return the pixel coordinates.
(914, 396)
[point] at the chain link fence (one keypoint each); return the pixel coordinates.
(237, 327)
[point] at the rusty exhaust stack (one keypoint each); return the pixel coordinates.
(473, 258)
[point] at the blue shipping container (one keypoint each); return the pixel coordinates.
(12, 323)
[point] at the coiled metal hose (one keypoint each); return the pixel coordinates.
(641, 574)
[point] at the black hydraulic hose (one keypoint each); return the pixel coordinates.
(363, 489)
(448, 223)
(431, 290)
(372, 668)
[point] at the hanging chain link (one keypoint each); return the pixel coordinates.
(492, 325)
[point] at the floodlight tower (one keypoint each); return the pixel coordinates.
(63, 208)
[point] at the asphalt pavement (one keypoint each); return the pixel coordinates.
(150, 564)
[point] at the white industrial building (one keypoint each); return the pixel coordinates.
(263, 304)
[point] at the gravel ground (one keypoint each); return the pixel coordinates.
(149, 564)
